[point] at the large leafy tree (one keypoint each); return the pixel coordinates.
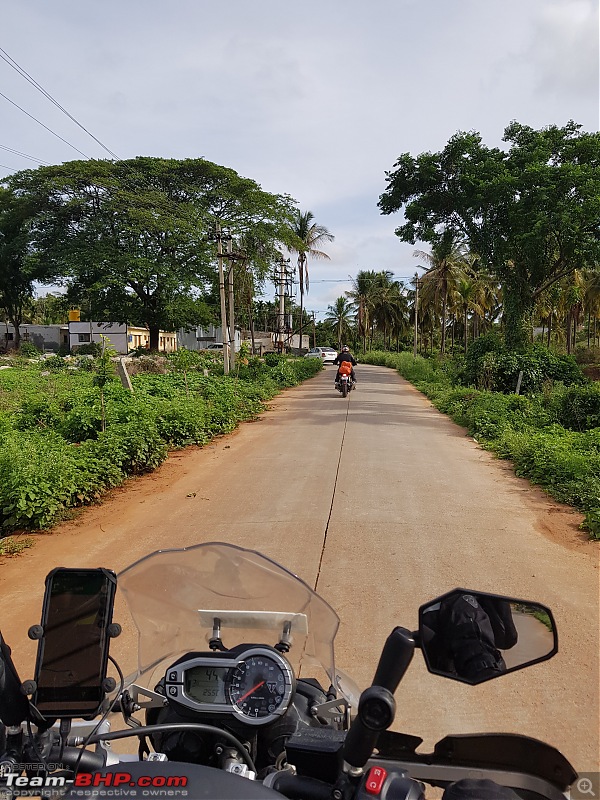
(133, 237)
(307, 238)
(19, 266)
(531, 212)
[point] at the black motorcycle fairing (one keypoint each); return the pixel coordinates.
(503, 751)
(509, 751)
(201, 783)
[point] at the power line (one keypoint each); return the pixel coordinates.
(372, 280)
(12, 63)
(24, 155)
(12, 169)
(43, 126)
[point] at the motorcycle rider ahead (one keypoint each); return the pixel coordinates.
(345, 355)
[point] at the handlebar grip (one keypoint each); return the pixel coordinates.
(85, 760)
(360, 743)
(376, 710)
(300, 787)
(395, 659)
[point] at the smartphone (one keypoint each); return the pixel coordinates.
(72, 654)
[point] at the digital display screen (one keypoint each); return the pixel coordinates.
(206, 684)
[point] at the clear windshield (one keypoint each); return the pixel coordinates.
(174, 597)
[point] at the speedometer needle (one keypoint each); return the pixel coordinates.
(253, 689)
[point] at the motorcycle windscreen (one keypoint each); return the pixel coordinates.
(174, 596)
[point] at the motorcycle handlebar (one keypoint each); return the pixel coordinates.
(84, 760)
(299, 787)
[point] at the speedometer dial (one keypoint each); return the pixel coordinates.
(258, 686)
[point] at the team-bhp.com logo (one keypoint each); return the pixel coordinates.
(150, 785)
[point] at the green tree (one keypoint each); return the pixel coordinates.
(341, 316)
(446, 266)
(362, 294)
(531, 212)
(19, 266)
(49, 309)
(308, 237)
(134, 236)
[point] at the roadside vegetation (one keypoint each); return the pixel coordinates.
(69, 431)
(551, 432)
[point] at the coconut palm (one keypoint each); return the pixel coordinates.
(341, 316)
(308, 238)
(390, 307)
(362, 294)
(591, 299)
(467, 300)
(447, 265)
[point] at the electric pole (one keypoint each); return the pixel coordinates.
(416, 314)
(231, 303)
(224, 331)
(281, 286)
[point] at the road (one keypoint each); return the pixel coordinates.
(381, 503)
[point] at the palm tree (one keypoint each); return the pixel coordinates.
(308, 238)
(362, 292)
(466, 296)
(389, 306)
(341, 316)
(447, 266)
(591, 299)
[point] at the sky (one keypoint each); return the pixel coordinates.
(316, 100)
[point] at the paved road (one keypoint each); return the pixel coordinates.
(381, 503)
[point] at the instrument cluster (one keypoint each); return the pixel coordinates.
(254, 684)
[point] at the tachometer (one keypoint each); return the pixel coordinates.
(258, 686)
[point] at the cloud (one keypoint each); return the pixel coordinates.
(564, 47)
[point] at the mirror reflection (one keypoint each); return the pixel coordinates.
(474, 637)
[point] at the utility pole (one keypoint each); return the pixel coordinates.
(281, 285)
(314, 330)
(416, 314)
(231, 303)
(224, 331)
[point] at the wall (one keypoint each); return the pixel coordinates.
(44, 337)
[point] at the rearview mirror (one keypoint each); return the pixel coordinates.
(474, 636)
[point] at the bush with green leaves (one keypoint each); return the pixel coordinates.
(272, 359)
(54, 364)
(579, 407)
(89, 349)
(489, 365)
(29, 350)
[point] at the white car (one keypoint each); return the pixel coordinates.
(326, 354)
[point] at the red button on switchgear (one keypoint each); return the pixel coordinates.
(375, 780)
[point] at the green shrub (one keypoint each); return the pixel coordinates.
(272, 359)
(489, 365)
(579, 407)
(182, 422)
(54, 364)
(89, 349)
(29, 350)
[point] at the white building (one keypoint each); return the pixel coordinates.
(121, 337)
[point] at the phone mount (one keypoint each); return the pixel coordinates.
(36, 632)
